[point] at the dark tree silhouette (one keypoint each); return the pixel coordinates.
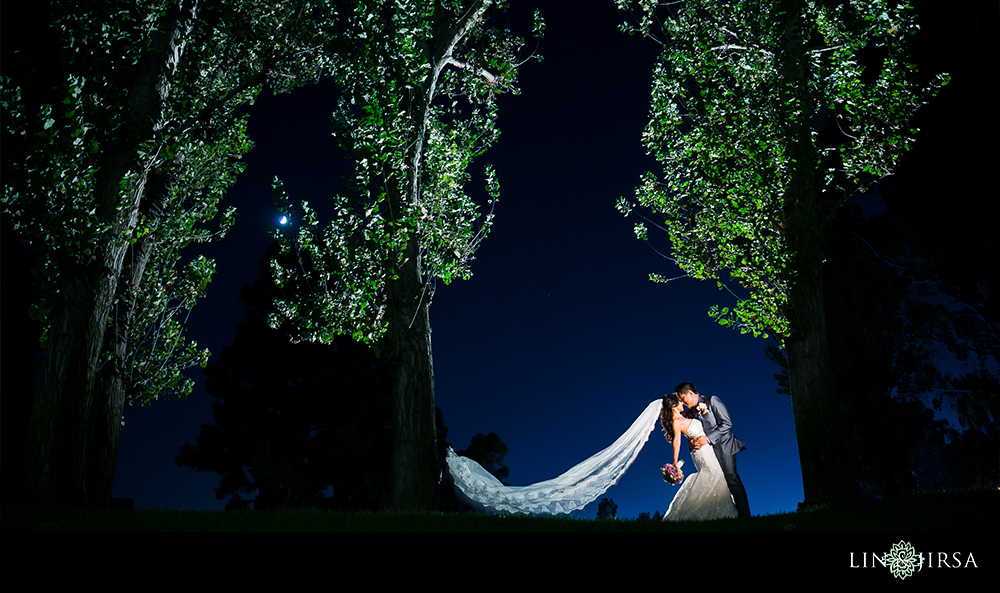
(911, 287)
(305, 425)
(872, 360)
(19, 369)
(301, 424)
(940, 231)
(949, 459)
(895, 335)
(607, 509)
(488, 451)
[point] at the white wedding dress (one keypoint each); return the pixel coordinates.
(704, 494)
(571, 491)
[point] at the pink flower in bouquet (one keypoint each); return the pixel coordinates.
(672, 474)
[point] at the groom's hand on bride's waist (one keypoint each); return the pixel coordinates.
(698, 443)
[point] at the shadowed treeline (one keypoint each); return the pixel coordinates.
(934, 512)
(304, 425)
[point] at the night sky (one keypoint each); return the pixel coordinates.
(559, 340)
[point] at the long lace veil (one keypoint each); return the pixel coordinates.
(571, 491)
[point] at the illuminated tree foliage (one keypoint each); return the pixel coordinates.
(125, 115)
(420, 82)
(768, 116)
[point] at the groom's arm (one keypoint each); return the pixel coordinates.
(724, 424)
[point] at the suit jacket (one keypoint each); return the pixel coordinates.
(718, 426)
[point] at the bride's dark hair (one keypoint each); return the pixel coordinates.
(667, 415)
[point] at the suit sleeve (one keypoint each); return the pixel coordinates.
(724, 424)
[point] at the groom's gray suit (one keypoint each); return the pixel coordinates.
(719, 431)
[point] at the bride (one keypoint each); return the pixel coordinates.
(703, 495)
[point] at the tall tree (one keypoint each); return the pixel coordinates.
(126, 116)
(878, 364)
(948, 250)
(949, 313)
(418, 105)
(768, 116)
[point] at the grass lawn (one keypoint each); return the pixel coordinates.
(924, 512)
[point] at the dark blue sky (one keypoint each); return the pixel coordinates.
(559, 340)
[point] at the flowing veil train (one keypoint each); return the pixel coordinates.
(571, 491)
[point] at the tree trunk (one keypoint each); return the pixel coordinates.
(56, 444)
(106, 415)
(414, 436)
(61, 428)
(826, 473)
(407, 348)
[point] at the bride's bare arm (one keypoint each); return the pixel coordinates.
(677, 441)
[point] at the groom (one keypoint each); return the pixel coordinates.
(719, 432)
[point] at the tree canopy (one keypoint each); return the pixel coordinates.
(723, 119)
(418, 105)
(127, 117)
(419, 85)
(768, 116)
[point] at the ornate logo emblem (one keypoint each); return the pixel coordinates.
(902, 560)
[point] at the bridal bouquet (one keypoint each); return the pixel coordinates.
(672, 474)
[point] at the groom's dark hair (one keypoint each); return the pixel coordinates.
(685, 386)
